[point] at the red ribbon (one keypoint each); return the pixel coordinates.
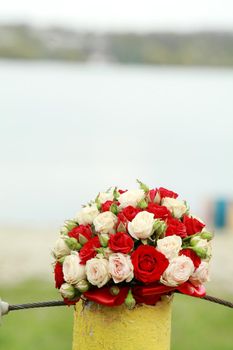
(189, 289)
(151, 293)
(147, 294)
(104, 297)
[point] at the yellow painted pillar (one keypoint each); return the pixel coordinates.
(98, 327)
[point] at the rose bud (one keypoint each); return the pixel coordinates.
(143, 204)
(130, 302)
(82, 286)
(202, 248)
(104, 238)
(73, 243)
(207, 235)
(159, 226)
(195, 240)
(114, 290)
(61, 248)
(82, 239)
(201, 252)
(64, 230)
(67, 291)
(143, 186)
(68, 226)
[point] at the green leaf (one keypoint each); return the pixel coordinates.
(97, 202)
(116, 194)
(114, 208)
(143, 186)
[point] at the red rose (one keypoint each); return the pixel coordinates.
(58, 275)
(175, 227)
(130, 212)
(159, 211)
(149, 264)
(81, 230)
(192, 225)
(88, 251)
(166, 193)
(121, 242)
(192, 255)
(122, 191)
(106, 206)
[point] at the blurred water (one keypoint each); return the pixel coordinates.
(68, 131)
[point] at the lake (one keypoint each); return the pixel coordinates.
(71, 130)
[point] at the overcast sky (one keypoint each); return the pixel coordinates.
(122, 14)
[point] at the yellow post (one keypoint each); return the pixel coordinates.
(98, 327)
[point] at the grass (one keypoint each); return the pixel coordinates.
(196, 324)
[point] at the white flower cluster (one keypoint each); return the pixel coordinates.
(108, 264)
(97, 271)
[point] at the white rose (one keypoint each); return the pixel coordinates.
(97, 272)
(72, 269)
(105, 222)
(178, 271)
(141, 227)
(60, 249)
(169, 246)
(176, 207)
(120, 267)
(87, 215)
(67, 291)
(131, 198)
(106, 196)
(201, 274)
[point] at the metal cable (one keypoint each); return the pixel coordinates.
(62, 303)
(218, 301)
(36, 305)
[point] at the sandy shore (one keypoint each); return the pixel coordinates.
(26, 253)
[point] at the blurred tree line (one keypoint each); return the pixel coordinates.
(55, 43)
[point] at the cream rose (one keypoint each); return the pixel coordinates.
(106, 196)
(132, 198)
(67, 291)
(97, 271)
(169, 246)
(141, 227)
(176, 207)
(72, 269)
(87, 215)
(178, 271)
(201, 274)
(120, 267)
(60, 249)
(105, 222)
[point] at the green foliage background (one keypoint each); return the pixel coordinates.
(161, 48)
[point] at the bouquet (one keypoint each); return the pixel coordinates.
(132, 246)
